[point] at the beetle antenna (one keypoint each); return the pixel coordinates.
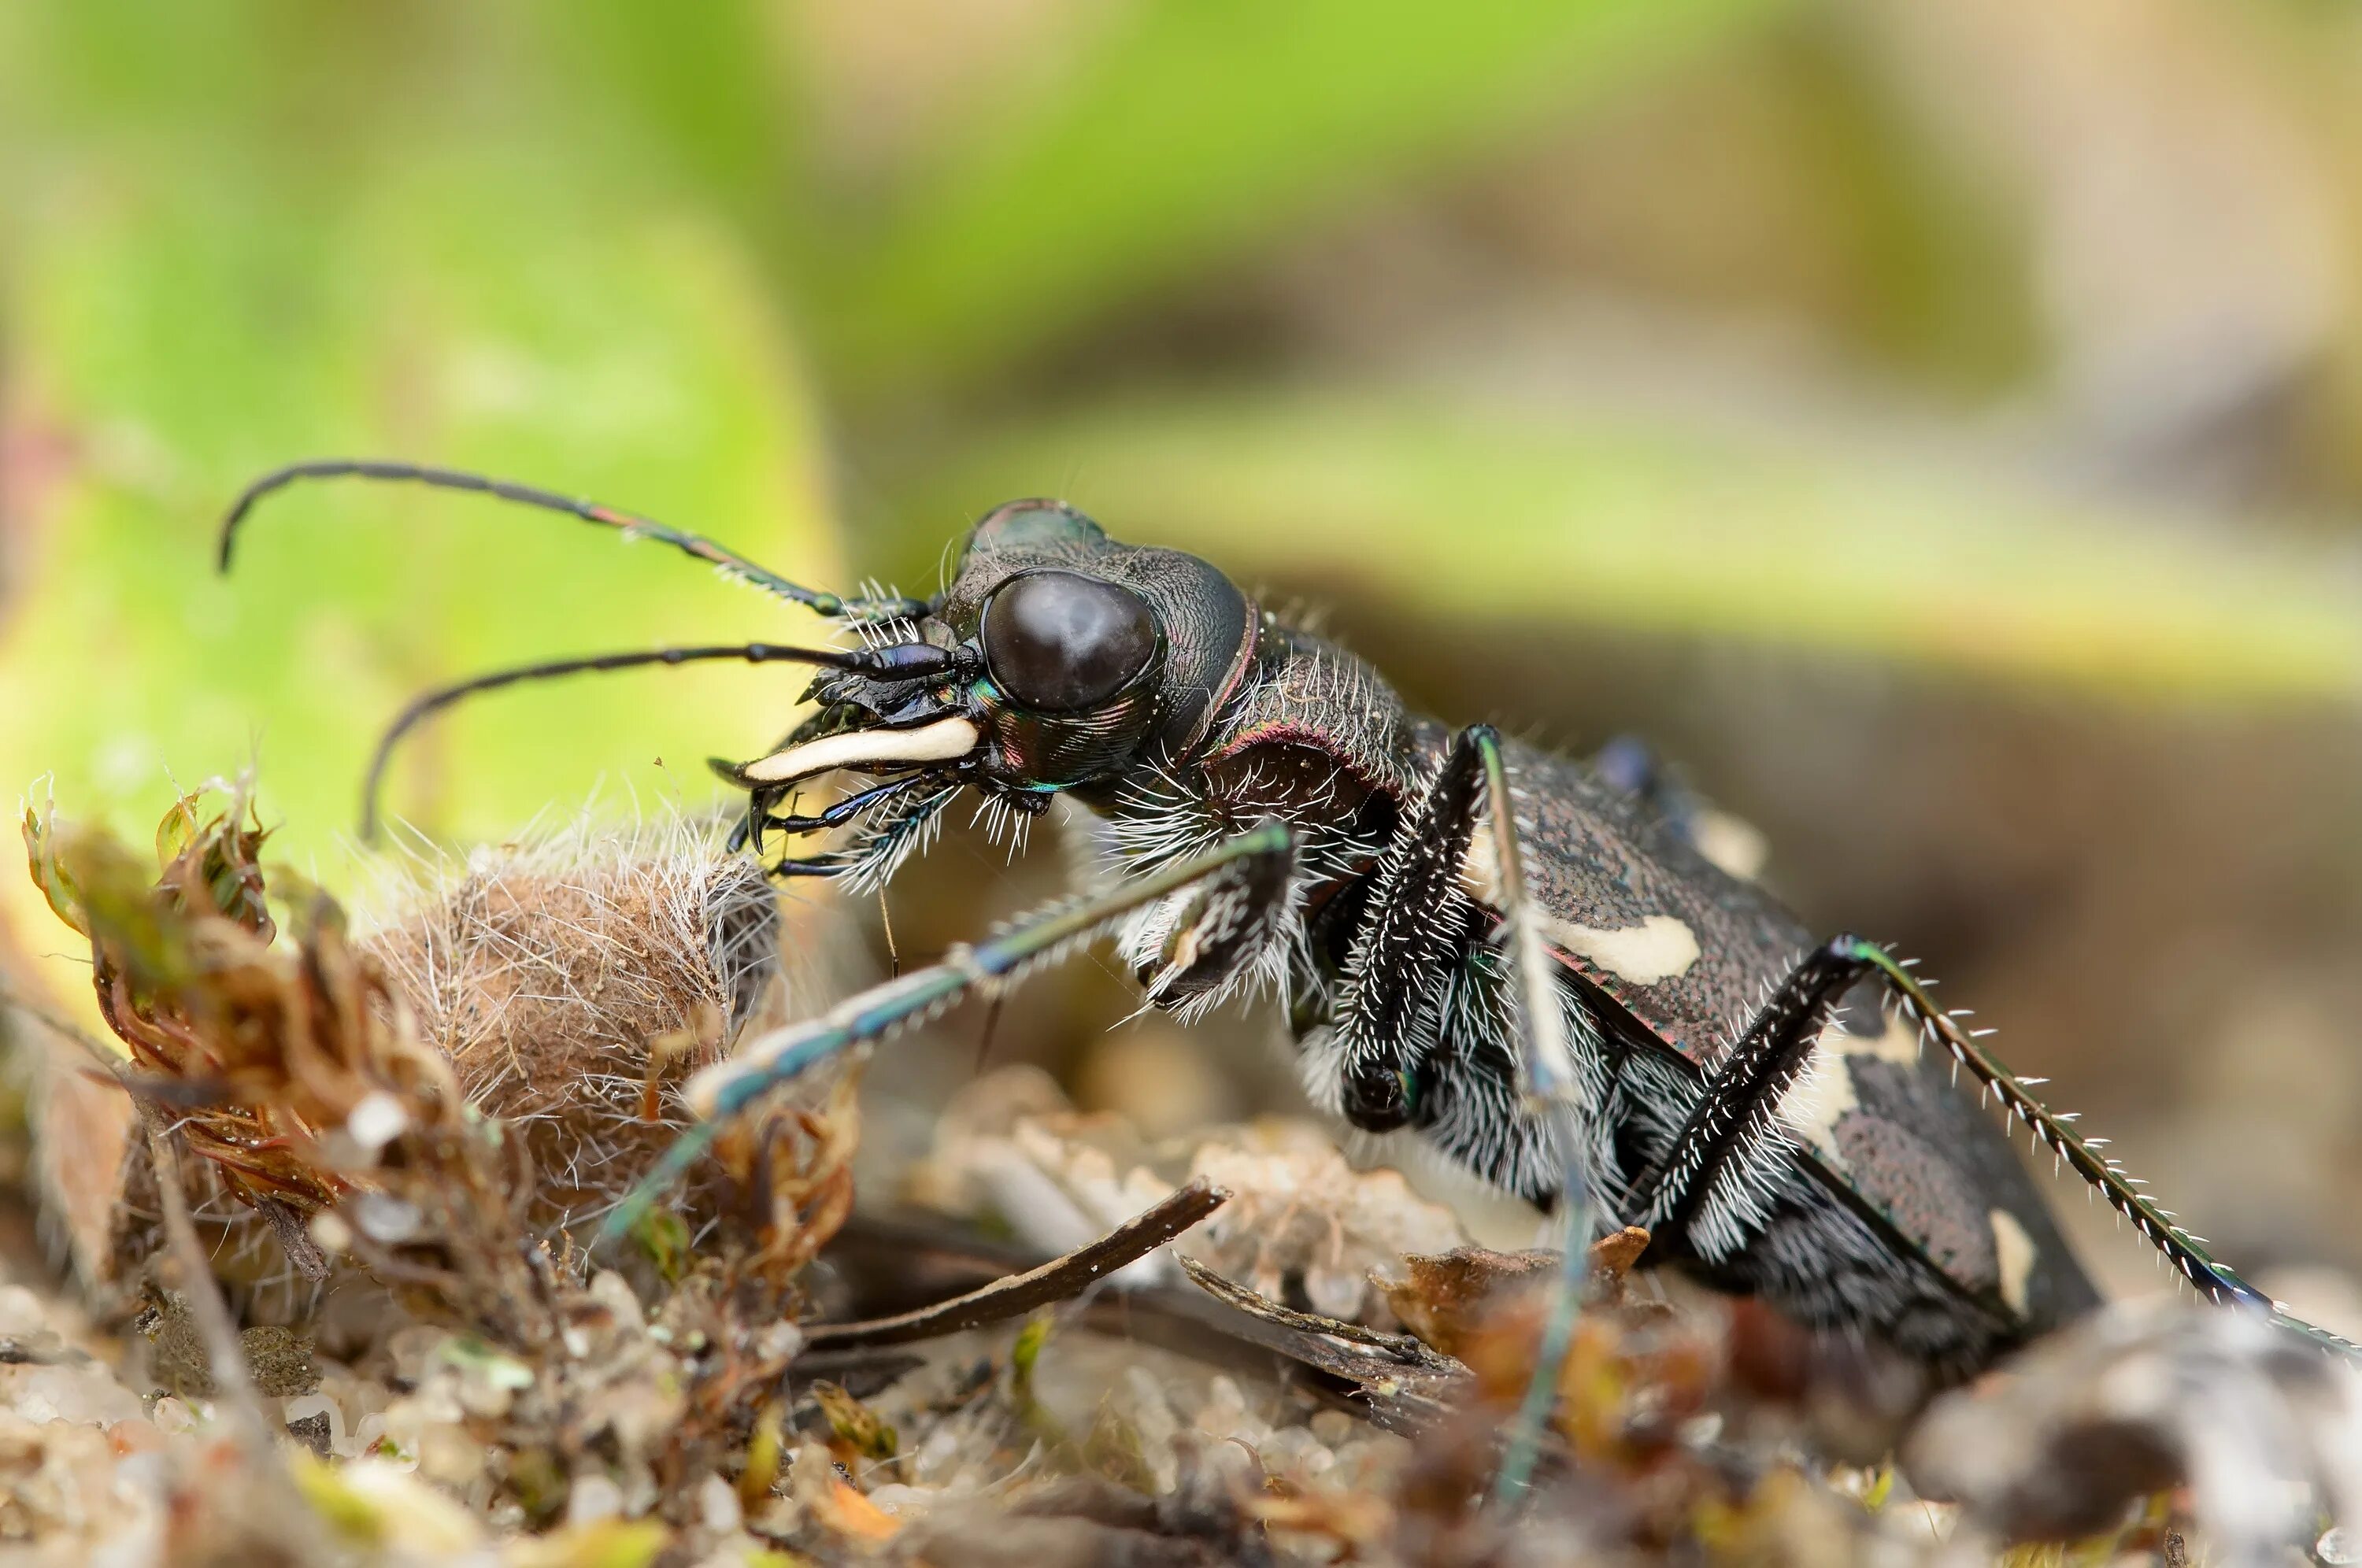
(442, 697)
(728, 562)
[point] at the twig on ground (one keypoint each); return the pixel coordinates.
(1059, 1280)
(1404, 1349)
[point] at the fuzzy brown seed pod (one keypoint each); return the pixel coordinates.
(491, 1068)
(568, 982)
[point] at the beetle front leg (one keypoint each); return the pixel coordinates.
(1409, 944)
(1251, 860)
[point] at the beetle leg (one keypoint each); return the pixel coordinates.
(1702, 1192)
(722, 1090)
(2057, 1133)
(1392, 1001)
(1549, 1081)
(1407, 946)
(1707, 1189)
(1630, 764)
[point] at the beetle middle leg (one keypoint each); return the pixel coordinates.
(1550, 1077)
(1707, 1190)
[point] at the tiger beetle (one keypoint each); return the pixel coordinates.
(1531, 961)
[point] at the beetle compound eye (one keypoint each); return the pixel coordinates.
(1057, 641)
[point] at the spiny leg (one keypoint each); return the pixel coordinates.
(2055, 1131)
(1399, 966)
(1551, 1085)
(1405, 951)
(1702, 1194)
(728, 1088)
(728, 561)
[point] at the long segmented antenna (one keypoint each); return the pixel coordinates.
(729, 562)
(442, 697)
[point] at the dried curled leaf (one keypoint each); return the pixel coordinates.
(266, 1052)
(1446, 1298)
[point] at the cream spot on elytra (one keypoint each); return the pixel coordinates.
(1820, 1097)
(1898, 1043)
(1738, 847)
(2015, 1250)
(1659, 948)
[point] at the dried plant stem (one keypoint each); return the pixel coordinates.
(1054, 1281)
(290, 1520)
(1407, 1349)
(233, 1381)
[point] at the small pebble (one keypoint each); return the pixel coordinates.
(592, 1498)
(312, 1431)
(717, 1502)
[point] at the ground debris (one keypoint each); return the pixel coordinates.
(1230, 1347)
(2258, 1429)
(1302, 1224)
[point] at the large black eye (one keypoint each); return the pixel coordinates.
(1057, 641)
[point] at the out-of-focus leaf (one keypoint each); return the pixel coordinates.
(640, 376)
(695, 91)
(178, 830)
(1195, 125)
(1471, 513)
(437, 279)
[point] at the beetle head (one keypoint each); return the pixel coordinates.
(1056, 657)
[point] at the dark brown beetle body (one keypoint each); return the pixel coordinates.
(1533, 963)
(1894, 1210)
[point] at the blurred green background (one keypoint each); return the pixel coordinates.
(1933, 422)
